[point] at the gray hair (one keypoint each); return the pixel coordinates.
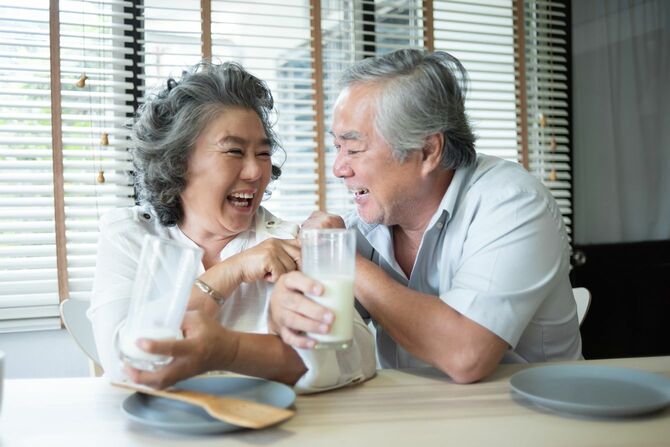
(168, 124)
(422, 93)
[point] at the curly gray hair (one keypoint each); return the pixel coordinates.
(168, 124)
(420, 96)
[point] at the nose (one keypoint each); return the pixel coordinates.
(252, 169)
(341, 166)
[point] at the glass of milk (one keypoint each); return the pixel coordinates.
(165, 274)
(329, 256)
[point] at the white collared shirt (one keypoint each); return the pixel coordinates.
(496, 251)
(121, 234)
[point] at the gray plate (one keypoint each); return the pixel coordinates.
(167, 414)
(593, 390)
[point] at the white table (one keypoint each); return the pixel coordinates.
(395, 408)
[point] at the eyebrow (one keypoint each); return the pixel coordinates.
(350, 135)
(234, 139)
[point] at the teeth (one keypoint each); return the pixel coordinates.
(360, 191)
(239, 195)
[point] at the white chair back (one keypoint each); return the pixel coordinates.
(73, 313)
(583, 300)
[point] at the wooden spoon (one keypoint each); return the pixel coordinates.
(243, 413)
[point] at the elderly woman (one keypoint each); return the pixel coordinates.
(202, 155)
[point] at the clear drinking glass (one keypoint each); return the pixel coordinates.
(165, 274)
(329, 256)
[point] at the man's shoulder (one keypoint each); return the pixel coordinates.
(493, 177)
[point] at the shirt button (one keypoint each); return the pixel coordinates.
(439, 225)
(270, 223)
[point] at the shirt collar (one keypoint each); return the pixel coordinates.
(447, 205)
(379, 236)
(451, 197)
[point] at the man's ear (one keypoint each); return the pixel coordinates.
(432, 152)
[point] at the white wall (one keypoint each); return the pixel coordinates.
(42, 354)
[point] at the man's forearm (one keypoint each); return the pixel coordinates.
(398, 309)
(427, 327)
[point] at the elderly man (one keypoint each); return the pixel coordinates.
(462, 258)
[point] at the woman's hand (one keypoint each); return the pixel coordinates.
(206, 346)
(268, 260)
(292, 313)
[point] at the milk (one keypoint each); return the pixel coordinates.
(140, 359)
(338, 296)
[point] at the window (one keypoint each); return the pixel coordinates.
(273, 40)
(28, 249)
(68, 91)
(354, 30)
(58, 176)
(547, 142)
(481, 36)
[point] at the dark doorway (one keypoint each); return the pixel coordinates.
(630, 305)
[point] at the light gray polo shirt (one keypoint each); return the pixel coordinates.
(496, 250)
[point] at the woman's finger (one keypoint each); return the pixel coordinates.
(292, 248)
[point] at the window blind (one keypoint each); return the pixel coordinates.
(95, 107)
(169, 38)
(273, 41)
(96, 160)
(480, 34)
(546, 74)
(299, 47)
(29, 292)
(352, 31)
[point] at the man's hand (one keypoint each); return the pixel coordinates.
(292, 313)
(319, 219)
(206, 346)
(268, 260)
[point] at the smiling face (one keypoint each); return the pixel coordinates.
(228, 171)
(385, 190)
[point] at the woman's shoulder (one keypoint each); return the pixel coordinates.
(273, 226)
(137, 219)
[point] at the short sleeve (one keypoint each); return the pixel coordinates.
(514, 255)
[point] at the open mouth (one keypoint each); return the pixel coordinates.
(241, 199)
(359, 192)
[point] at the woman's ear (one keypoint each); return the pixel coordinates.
(432, 152)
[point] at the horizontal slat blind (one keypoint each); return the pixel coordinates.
(28, 279)
(547, 99)
(95, 107)
(170, 40)
(96, 160)
(480, 34)
(273, 41)
(353, 30)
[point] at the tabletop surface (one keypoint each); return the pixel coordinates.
(397, 407)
